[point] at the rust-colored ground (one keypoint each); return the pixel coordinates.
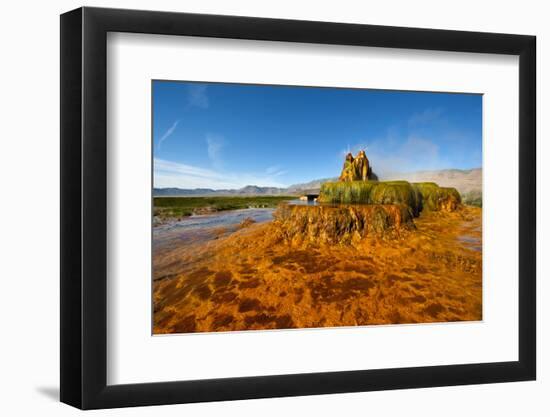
(252, 279)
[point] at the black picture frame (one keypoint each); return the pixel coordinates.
(84, 207)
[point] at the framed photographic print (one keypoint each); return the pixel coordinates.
(258, 207)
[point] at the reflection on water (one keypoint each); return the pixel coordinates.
(299, 202)
(200, 228)
(471, 242)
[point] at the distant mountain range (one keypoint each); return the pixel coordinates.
(311, 185)
(199, 192)
(465, 181)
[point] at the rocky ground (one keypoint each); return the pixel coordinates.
(258, 278)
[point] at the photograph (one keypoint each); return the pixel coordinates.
(293, 207)
(264, 209)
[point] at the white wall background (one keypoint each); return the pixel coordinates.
(29, 238)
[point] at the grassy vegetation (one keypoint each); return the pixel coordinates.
(417, 196)
(166, 207)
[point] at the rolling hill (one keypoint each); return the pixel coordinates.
(467, 182)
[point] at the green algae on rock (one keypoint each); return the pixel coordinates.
(358, 185)
(371, 192)
(416, 196)
(436, 198)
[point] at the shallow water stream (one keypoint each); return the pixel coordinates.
(201, 228)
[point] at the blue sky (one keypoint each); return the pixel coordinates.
(209, 135)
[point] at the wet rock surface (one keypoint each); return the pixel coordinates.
(357, 169)
(256, 278)
(369, 253)
(341, 224)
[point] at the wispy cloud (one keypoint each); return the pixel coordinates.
(275, 171)
(406, 147)
(197, 97)
(168, 133)
(427, 116)
(215, 144)
(390, 156)
(174, 174)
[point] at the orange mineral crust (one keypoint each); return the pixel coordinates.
(267, 276)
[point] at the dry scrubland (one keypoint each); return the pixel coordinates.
(170, 208)
(412, 254)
